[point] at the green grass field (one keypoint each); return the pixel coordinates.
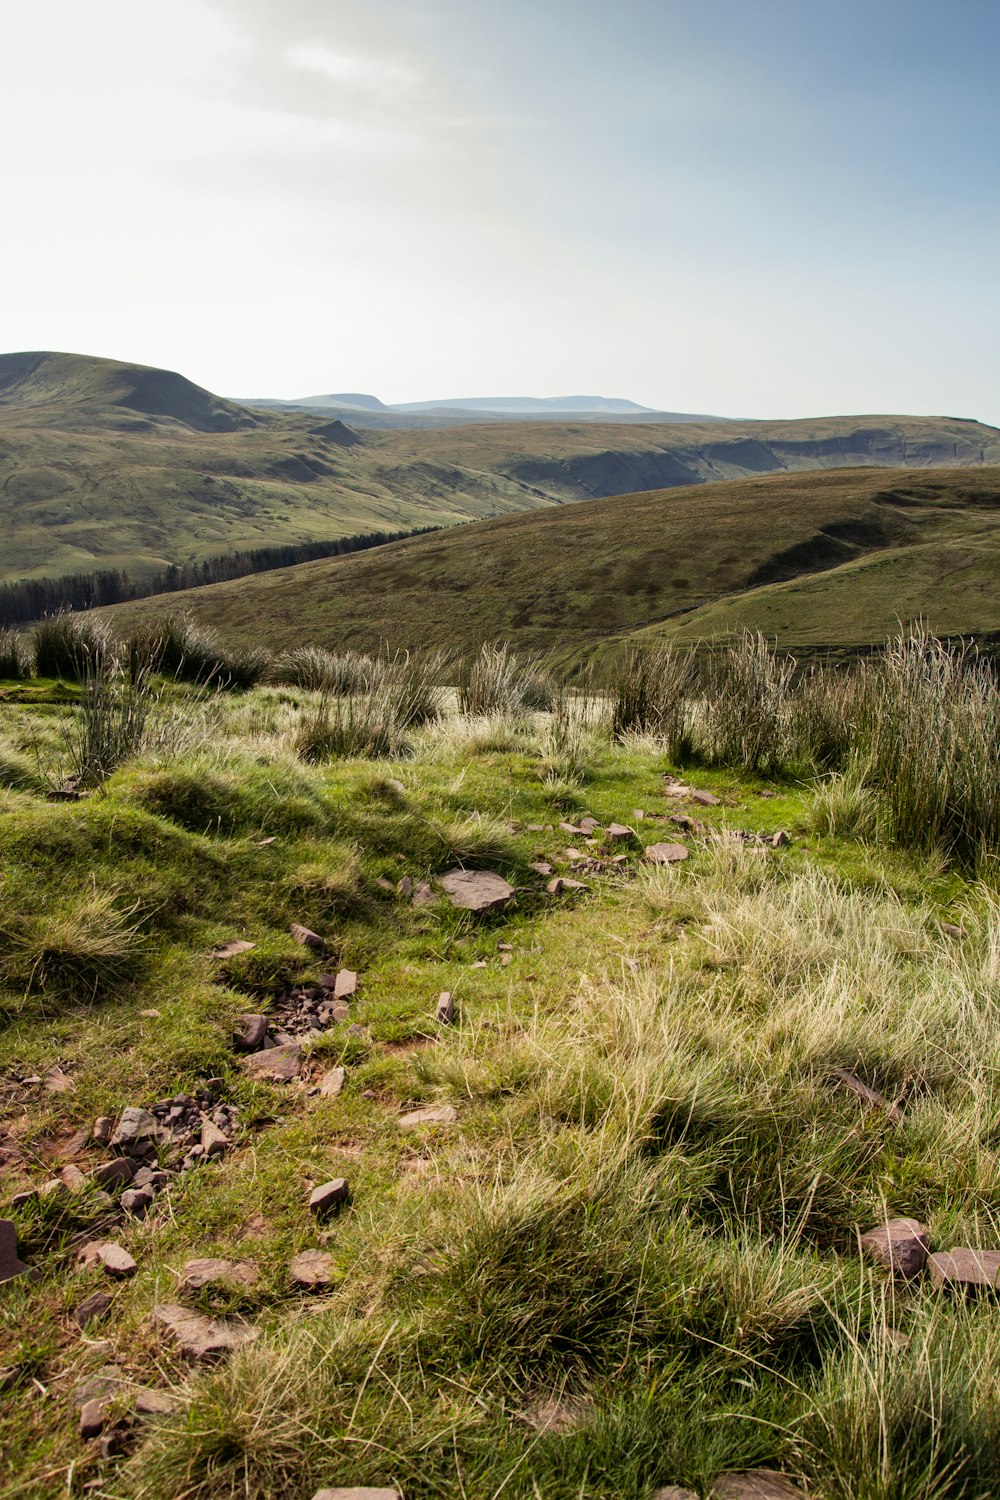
(817, 561)
(104, 465)
(628, 1256)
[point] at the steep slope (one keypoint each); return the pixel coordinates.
(819, 559)
(107, 465)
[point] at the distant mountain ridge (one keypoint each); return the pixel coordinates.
(369, 410)
(110, 465)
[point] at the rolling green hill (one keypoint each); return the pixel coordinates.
(109, 465)
(818, 560)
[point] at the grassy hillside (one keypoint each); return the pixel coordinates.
(814, 559)
(106, 465)
(622, 1249)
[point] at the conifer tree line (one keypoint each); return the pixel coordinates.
(30, 599)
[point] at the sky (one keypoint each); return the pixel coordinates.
(754, 208)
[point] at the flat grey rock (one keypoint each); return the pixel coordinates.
(433, 1114)
(199, 1337)
(91, 1308)
(307, 937)
(150, 1402)
(134, 1126)
(346, 985)
(475, 890)
(210, 1271)
(279, 1064)
(311, 1269)
(756, 1484)
(328, 1197)
(358, 1492)
(91, 1419)
(445, 1012)
(213, 1141)
(332, 1082)
(116, 1261)
(249, 1032)
(665, 854)
(966, 1270)
(674, 1492)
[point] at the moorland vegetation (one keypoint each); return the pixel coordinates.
(596, 1155)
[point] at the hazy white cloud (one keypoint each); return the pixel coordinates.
(433, 198)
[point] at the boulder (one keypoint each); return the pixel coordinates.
(10, 1263)
(280, 1064)
(332, 1082)
(329, 1197)
(311, 1269)
(755, 1484)
(900, 1245)
(665, 854)
(965, 1270)
(476, 890)
(199, 1337)
(249, 1032)
(445, 1011)
(434, 1114)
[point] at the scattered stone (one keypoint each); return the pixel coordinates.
(111, 1174)
(135, 1126)
(265, 843)
(149, 1402)
(476, 890)
(311, 1269)
(384, 885)
(706, 799)
(423, 895)
(114, 1442)
(952, 930)
(10, 1263)
(617, 832)
(249, 1032)
(964, 1270)
(676, 789)
(213, 1141)
(281, 1064)
(779, 839)
(505, 947)
(73, 1178)
(574, 854)
(307, 937)
(674, 1492)
(869, 1096)
(102, 1130)
(665, 854)
(346, 985)
(571, 829)
(91, 1419)
(756, 1484)
(900, 1245)
(210, 1271)
(405, 887)
(329, 1197)
(136, 1201)
(116, 1261)
(358, 1492)
(199, 1337)
(445, 1012)
(54, 1188)
(230, 950)
(91, 1308)
(332, 1082)
(340, 1011)
(556, 886)
(480, 963)
(151, 1015)
(99, 1386)
(588, 824)
(434, 1114)
(58, 1082)
(686, 824)
(505, 959)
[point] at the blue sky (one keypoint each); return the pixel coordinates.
(751, 207)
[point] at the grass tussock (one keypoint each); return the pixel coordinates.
(319, 670)
(654, 686)
(87, 948)
(70, 647)
(176, 647)
(498, 682)
(15, 658)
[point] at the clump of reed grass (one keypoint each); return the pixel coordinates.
(15, 660)
(654, 687)
(364, 725)
(320, 670)
(69, 646)
(497, 681)
(177, 647)
(115, 707)
(747, 706)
